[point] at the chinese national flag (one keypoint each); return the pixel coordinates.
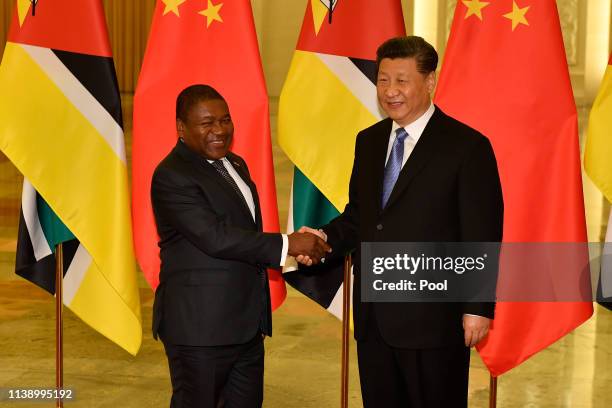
(211, 42)
(505, 74)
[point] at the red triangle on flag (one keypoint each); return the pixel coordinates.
(348, 34)
(65, 25)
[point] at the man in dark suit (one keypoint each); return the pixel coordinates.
(418, 176)
(212, 307)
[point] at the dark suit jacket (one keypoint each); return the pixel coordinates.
(213, 282)
(448, 191)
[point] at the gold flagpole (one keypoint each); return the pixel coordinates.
(492, 392)
(59, 340)
(346, 316)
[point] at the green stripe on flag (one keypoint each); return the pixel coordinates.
(310, 207)
(54, 229)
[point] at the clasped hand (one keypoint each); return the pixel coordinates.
(308, 246)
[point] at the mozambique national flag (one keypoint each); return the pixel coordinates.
(598, 165)
(505, 74)
(328, 97)
(61, 125)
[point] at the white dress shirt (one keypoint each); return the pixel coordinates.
(414, 130)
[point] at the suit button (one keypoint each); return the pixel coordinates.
(379, 227)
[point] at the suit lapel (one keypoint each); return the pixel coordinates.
(204, 167)
(422, 153)
(380, 155)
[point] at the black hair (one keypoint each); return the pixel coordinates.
(411, 46)
(192, 95)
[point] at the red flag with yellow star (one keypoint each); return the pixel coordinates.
(505, 74)
(211, 42)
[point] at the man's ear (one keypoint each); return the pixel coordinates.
(431, 81)
(180, 127)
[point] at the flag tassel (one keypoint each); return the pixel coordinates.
(346, 310)
(492, 392)
(59, 327)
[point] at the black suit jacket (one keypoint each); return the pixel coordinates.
(213, 282)
(448, 191)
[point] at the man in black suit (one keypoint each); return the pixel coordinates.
(418, 176)
(212, 307)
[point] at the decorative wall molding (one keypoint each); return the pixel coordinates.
(449, 14)
(569, 15)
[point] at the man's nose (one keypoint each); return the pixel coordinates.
(391, 90)
(217, 128)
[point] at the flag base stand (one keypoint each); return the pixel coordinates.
(59, 340)
(492, 392)
(346, 316)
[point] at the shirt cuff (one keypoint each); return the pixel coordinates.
(285, 249)
(324, 234)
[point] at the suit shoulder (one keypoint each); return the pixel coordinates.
(458, 130)
(374, 131)
(170, 166)
(457, 126)
(168, 162)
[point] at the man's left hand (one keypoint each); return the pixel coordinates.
(475, 328)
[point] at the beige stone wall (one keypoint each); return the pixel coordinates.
(6, 8)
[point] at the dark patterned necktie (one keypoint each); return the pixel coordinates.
(394, 165)
(220, 167)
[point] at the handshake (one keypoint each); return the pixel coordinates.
(308, 246)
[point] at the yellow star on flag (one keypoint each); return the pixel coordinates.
(517, 15)
(172, 6)
(212, 13)
(474, 8)
(23, 6)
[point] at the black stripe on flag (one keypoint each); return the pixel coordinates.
(367, 68)
(41, 272)
(97, 74)
(319, 282)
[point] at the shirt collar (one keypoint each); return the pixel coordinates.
(416, 128)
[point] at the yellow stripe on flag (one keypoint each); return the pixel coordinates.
(598, 150)
(319, 118)
(100, 306)
(83, 180)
